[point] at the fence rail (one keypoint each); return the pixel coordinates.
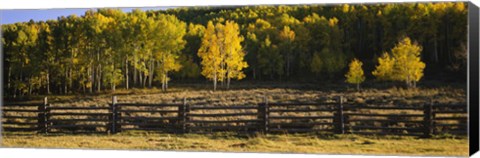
(332, 117)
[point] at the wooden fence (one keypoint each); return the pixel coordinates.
(326, 117)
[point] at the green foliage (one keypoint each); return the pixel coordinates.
(168, 42)
(106, 47)
(325, 43)
(270, 61)
(189, 68)
(287, 36)
(316, 64)
(113, 77)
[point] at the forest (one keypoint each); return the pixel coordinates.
(107, 49)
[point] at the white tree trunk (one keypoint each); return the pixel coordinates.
(150, 75)
(48, 82)
(215, 82)
(126, 72)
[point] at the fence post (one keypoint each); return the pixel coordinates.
(182, 114)
(340, 126)
(428, 119)
(42, 116)
(118, 117)
(260, 114)
(113, 121)
(264, 115)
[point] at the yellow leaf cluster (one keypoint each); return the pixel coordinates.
(355, 73)
(404, 65)
(287, 34)
(209, 52)
(221, 52)
(384, 70)
(233, 50)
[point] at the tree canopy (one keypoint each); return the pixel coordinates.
(107, 48)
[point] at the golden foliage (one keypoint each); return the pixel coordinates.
(221, 52)
(355, 72)
(384, 69)
(404, 65)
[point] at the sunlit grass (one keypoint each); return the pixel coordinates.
(231, 142)
(445, 145)
(275, 93)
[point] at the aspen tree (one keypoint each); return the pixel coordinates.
(221, 53)
(234, 55)
(287, 36)
(168, 42)
(404, 65)
(384, 69)
(355, 73)
(209, 52)
(408, 67)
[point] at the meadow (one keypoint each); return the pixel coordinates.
(387, 55)
(252, 93)
(232, 142)
(451, 145)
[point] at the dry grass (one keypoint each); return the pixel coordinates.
(250, 95)
(308, 143)
(229, 142)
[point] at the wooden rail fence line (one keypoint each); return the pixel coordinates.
(338, 117)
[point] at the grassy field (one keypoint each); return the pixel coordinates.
(253, 94)
(229, 142)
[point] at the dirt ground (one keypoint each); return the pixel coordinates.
(246, 95)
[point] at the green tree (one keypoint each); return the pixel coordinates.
(114, 53)
(287, 36)
(257, 31)
(99, 27)
(168, 44)
(270, 61)
(316, 63)
(190, 69)
(106, 48)
(25, 44)
(189, 59)
(325, 41)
